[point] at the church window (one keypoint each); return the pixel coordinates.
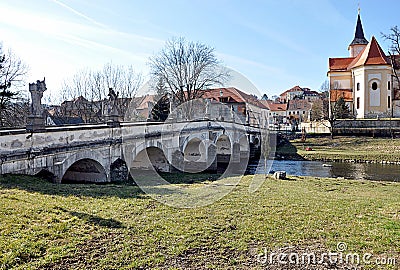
(358, 86)
(358, 103)
(388, 102)
(374, 86)
(388, 85)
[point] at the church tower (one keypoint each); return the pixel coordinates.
(363, 80)
(359, 42)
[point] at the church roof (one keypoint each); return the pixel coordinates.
(372, 54)
(339, 64)
(359, 38)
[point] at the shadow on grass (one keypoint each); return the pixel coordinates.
(35, 184)
(94, 220)
(123, 191)
(189, 178)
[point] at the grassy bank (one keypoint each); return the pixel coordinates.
(344, 149)
(49, 226)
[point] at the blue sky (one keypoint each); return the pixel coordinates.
(274, 44)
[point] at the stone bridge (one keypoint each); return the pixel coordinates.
(96, 153)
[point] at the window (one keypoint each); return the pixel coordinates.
(358, 103)
(374, 86)
(304, 112)
(388, 85)
(358, 86)
(388, 102)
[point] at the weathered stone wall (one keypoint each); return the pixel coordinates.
(315, 127)
(368, 127)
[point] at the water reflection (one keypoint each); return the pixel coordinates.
(358, 171)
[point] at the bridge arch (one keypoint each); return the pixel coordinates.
(85, 170)
(194, 150)
(85, 166)
(150, 157)
(195, 156)
(189, 140)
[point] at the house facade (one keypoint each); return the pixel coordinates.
(247, 107)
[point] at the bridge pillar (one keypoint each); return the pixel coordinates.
(235, 158)
(212, 158)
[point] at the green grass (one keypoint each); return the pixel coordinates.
(48, 226)
(345, 148)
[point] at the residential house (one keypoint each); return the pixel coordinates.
(247, 107)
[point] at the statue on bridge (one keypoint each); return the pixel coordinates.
(112, 107)
(37, 89)
(36, 121)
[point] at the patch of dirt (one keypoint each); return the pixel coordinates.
(91, 252)
(256, 258)
(88, 254)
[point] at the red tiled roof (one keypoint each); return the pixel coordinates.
(233, 95)
(293, 89)
(339, 64)
(372, 54)
(272, 106)
(347, 94)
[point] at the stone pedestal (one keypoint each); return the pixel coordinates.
(35, 124)
(112, 120)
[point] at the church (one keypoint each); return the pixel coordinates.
(364, 80)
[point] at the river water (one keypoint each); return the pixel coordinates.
(357, 171)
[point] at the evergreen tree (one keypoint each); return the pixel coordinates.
(5, 94)
(341, 110)
(12, 74)
(160, 110)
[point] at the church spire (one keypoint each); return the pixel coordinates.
(359, 42)
(359, 38)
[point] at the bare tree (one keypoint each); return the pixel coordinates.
(88, 90)
(336, 108)
(124, 81)
(394, 53)
(187, 68)
(12, 77)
